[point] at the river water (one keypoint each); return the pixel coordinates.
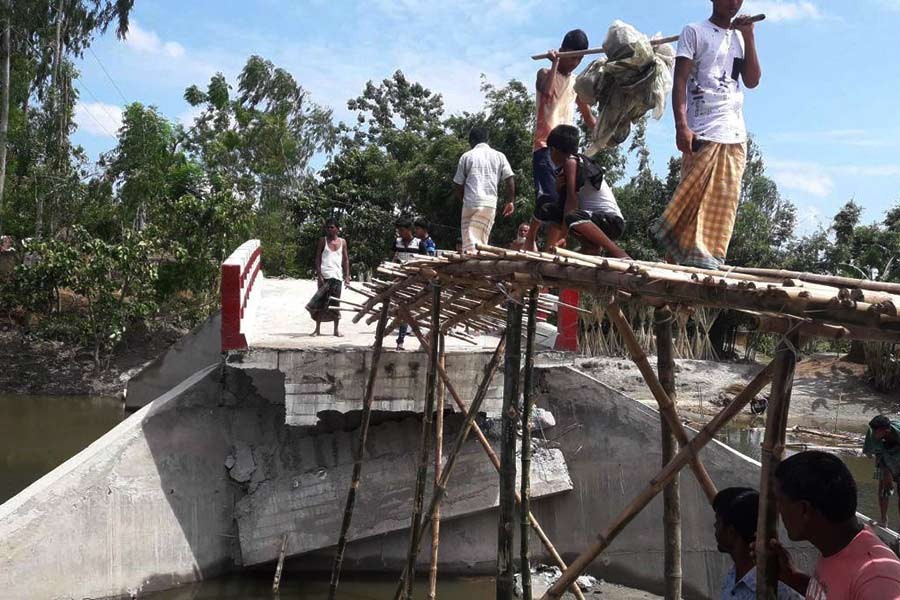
(38, 433)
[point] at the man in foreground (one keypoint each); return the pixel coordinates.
(816, 498)
(736, 511)
(712, 59)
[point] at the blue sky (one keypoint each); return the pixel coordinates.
(825, 115)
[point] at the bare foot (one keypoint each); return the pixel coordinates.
(338, 334)
(315, 334)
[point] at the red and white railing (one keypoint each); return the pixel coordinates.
(241, 286)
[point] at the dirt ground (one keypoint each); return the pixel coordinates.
(828, 392)
(33, 366)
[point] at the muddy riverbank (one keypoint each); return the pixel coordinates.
(829, 392)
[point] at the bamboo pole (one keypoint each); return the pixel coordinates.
(525, 487)
(829, 280)
(360, 449)
(427, 416)
(494, 459)
(276, 583)
(666, 406)
(605, 538)
(380, 296)
(511, 368)
(772, 451)
(441, 483)
(602, 50)
(665, 358)
(438, 469)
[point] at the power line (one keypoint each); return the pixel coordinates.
(108, 76)
(80, 84)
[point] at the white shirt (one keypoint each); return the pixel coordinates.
(480, 171)
(745, 588)
(603, 200)
(715, 110)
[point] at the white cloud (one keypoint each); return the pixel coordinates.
(809, 177)
(190, 115)
(890, 4)
(860, 138)
(777, 10)
(98, 118)
(869, 170)
(142, 40)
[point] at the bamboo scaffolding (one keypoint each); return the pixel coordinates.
(359, 451)
(511, 368)
(772, 451)
(525, 484)
(665, 358)
(438, 469)
(441, 483)
(605, 538)
(666, 406)
(422, 470)
(495, 460)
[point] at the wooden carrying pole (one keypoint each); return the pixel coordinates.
(359, 450)
(489, 452)
(666, 406)
(602, 50)
(427, 416)
(665, 360)
(438, 468)
(511, 367)
(772, 451)
(525, 487)
(656, 484)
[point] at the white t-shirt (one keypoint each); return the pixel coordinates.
(715, 110)
(603, 200)
(480, 171)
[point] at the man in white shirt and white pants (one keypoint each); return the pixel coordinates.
(714, 58)
(477, 179)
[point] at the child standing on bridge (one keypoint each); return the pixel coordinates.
(332, 270)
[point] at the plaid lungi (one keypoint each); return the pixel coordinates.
(476, 226)
(696, 227)
(322, 308)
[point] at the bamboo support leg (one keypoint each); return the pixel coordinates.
(427, 416)
(525, 490)
(605, 538)
(440, 490)
(360, 450)
(438, 469)
(665, 357)
(511, 368)
(492, 456)
(276, 583)
(666, 406)
(772, 451)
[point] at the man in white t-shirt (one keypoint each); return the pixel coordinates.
(713, 58)
(477, 179)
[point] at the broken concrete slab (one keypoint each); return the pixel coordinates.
(307, 506)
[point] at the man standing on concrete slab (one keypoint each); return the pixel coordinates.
(478, 175)
(332, 269)
(713, 57)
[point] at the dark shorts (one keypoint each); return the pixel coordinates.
(548, 210)
(612, 225)
(544, 177)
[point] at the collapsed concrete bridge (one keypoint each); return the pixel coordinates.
(235, 456)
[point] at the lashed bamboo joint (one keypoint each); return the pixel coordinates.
(466, 295)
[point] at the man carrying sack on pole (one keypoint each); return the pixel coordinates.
(712, 59)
